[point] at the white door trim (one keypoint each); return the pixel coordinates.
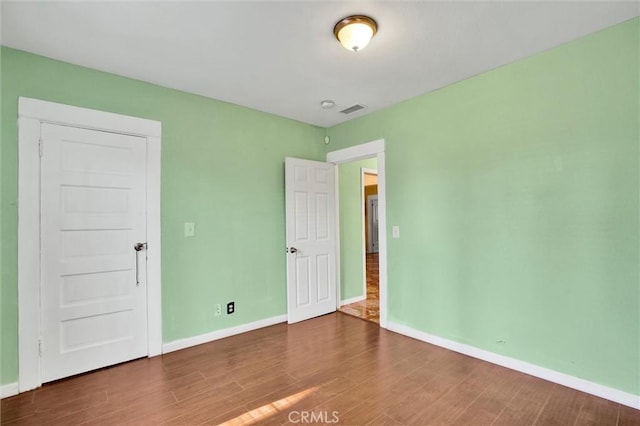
(31, 114)
(361, 152)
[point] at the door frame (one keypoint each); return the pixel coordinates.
(32, 113)
(361, 152)
(365, 229)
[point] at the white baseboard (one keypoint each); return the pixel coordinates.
(221, 334)
(9, 389)
(353, 300)
(596, 389)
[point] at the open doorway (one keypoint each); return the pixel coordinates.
(371, 309)
(359, 243)
(351, 257)
(368, 308)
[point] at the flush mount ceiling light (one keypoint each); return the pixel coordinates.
(354, 32)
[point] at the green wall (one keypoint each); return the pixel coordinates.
(517, 195)
(222, 168)
(351, 226)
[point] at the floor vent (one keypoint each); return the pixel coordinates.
(352, 108)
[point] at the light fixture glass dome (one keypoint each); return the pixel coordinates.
(355, 32)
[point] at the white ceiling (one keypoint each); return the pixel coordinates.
(282, 58)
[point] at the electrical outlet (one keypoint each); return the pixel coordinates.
(231, 308)
(218, 310)
(189, 229)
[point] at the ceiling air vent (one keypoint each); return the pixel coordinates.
(352, 108)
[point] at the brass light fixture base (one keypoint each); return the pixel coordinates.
(355, 19)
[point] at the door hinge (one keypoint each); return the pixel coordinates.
(40, 147)
(40, 347)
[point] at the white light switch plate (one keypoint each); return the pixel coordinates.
(189, 229)
(395, 231)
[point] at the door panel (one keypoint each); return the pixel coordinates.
(323, 279)
(303, 281)
(93, 312)
(311, 265)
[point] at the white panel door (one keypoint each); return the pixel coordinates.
(94, 299)
(311, 239)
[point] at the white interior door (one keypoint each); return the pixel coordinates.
(93, 212)
(311, 239)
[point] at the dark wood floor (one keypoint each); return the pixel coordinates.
(335, 363)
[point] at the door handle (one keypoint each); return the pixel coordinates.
(138, 247)
(293, 250)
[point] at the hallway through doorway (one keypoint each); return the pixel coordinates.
(368, 309)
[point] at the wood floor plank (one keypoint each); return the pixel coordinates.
(361, 414)
(51, 414)
(597, 412)
(283, 395)
(22, 421)
(129, 412)
(187, 391)
(335, 363)
(235, 416)
(527, 403)
(457, 399)
(403, 388)
(201, 407)
(413, 405)
(198, 410)
(384, 420)
(17, 406)
(339, 404)
(273, 388)
(628, 416)
(490, 403)
(562, 408)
